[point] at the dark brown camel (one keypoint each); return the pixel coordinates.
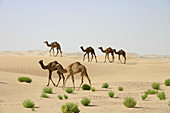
(123, 53)
(107, 51)
(87, 51)
(54, 45)
(52, 67)
(72, 69)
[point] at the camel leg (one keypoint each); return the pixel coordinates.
(84, 56)
(105, 58)
(82, 76)
(57, 51)
(91, 56)
(50, 51)
(53, 82)
(59, 78)
(53, 52)
(50, 72)
(88, 56)
(124, 59)
(88, 79)
(95, 56)
(119, 59)
(108, 58)
(113, 58)
(63, 79)
(61, 52)
(66, 80)
(73, 81)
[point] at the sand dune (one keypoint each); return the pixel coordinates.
(136, 76)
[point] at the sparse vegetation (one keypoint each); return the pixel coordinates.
(161, 96)
(93, 89)
(70, 108)
(149, 91)
(120, 88)
(60, 97)
(24, 79)
(28, 104)
(69, 90)
(129, 102)
(111, 94)
(144, 96)
(167, 82)
(156, 85)
(48, 90)
(65, 96)
(85, 101)
(105, 85)
(86, 87)
(169, 103)
(44, 95)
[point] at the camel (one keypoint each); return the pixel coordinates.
(123, 53)
(54, 45)
(88, 50)
(72, 69)
(52, 67)
(107, 51)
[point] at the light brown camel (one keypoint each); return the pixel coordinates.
(123, 53)
(107, 51)
(87, 51)
(52, 67)
(72, 69)
(54, 45)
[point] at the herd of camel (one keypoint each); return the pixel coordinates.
(75, 67)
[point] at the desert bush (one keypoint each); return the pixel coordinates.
(161, 95)
(111, 94)
(120, 88)
(60, 97)
(65, 96)
(169, 103)
(144, 96)
(93, 89)
(28, 103)
(149, 91)
(86, 87)
(156, 85)
(85, 101)
(105, 85)
(24, 79)
(129, 102)
(44, 95)
(69, 90)
(167, 82)
(70, 108)
(48, 90)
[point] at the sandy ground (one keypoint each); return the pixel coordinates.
(136, 77)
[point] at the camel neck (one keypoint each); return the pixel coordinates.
(83, 49)
(48, 44)
(102, 50)
(43, 66)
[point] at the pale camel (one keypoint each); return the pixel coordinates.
(107, 51)
(121, 52)
(52, 67)
(54, 45)
(87, 51)
(72, 69)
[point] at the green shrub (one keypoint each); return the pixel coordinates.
(167, 82)
(86, 87)
(47, 90)
(93, 89)
(149, 91)
(60, 97)
(156, 85)
(161, 96)
(32, 109)
(144, 96)
(65, 96)
(28, 103)
(24, 79)
(69, 90)
(44, 95)
(111, 94)
(85, 101)
(70, 108)
(105, 85)
(169, 103)
(129, 102)
(120, 88)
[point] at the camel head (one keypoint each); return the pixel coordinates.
(46, 42)
(81, 47)
(40, 61)
(114, 50)
(99, 47)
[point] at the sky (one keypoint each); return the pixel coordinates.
(138, 26)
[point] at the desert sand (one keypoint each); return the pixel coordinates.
(136, 77)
